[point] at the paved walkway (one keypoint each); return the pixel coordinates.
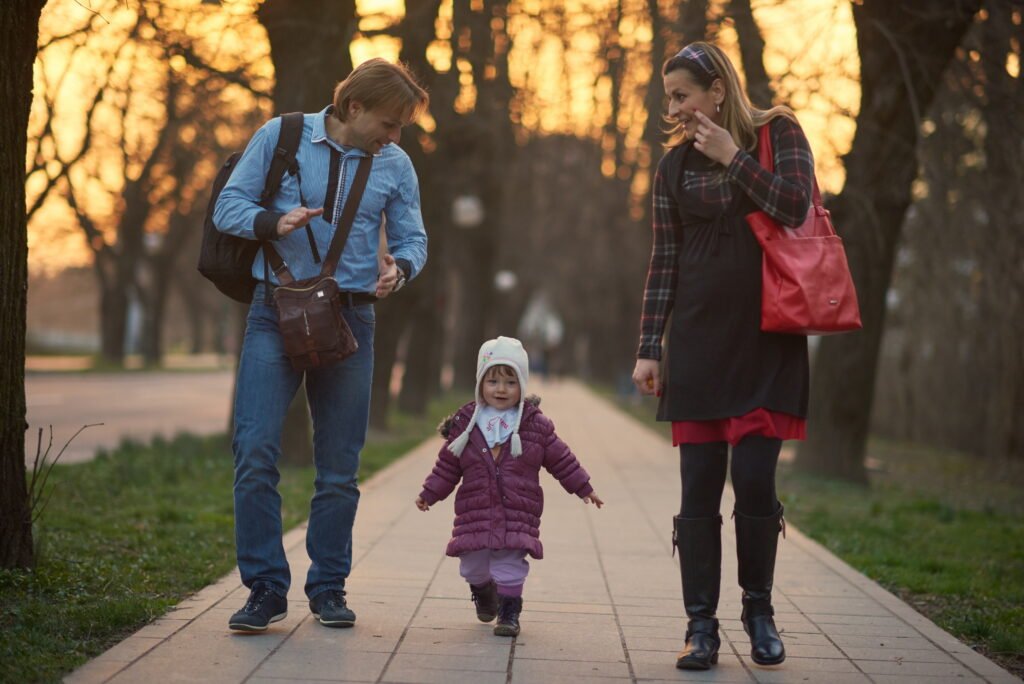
(603, 606)
(124, 405)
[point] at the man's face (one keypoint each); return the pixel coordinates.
(372, 129)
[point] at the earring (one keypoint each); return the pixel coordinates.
(718, 109)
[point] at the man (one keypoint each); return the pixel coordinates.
(370, 108)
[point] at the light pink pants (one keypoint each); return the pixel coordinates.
(507, 567)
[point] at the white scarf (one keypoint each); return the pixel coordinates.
(496, 425)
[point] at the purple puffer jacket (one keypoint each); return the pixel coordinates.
(499, 503)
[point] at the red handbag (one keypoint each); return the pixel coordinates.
(807, 288)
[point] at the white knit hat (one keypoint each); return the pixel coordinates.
(503, 351)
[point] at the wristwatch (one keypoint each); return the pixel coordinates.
(400, 283)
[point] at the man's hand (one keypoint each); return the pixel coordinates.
(714, 141)
(647, 376)
(594, 499)
(421, 504)
(388, 278)
(295, 219)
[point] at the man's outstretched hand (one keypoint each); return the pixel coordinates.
(295, 219)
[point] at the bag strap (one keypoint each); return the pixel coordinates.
(330, 264)
(348, 216)
(766, 158)
(284, 159)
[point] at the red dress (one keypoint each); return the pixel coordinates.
(760, 421)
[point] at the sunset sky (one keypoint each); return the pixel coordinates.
(810, 54)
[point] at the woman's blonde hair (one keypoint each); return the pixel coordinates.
(739, 116)
(377, 84)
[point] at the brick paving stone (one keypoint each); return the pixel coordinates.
(604, 604)
(529, 671)
(323, 664)
(920, 655)
(913, 668)
(784, 675)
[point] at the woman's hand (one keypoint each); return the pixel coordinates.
(421, 504)
(714, 141)
(593, 498)
(647, 376)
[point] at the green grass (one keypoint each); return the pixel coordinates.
(941, 529)
(130, 534)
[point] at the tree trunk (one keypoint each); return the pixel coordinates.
(1003, 300)
(309, 44)
(392, 318)
(422, 378)
(759, 87)
(155, 308)
(113, 321)
(309, 41)
(904, 51)
(19, 30)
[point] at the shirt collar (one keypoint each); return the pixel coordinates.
(320, 134)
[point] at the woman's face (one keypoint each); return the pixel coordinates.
(686, 96)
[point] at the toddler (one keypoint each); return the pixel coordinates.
(496, 446)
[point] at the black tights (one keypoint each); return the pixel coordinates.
(702, 470)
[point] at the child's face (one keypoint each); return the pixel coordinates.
(500, 388)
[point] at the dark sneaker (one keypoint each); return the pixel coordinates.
(485, 598)
(263, 607)
(331, 610)
(509, 608)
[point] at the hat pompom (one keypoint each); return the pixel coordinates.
(517, 445)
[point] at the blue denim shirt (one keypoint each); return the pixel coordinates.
(327, 170)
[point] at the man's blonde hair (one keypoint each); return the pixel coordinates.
(377, 84)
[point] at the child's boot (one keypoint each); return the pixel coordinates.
(509, 608)
(485, 597)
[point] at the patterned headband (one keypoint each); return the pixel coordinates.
(700, 58)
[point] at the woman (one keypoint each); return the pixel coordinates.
(724, 382)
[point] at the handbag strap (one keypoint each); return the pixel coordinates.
(348, 214)
(766, 158)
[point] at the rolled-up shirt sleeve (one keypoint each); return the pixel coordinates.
(238, 211)
(406, 235)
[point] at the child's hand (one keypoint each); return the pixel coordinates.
(421, 504)
(594, 499)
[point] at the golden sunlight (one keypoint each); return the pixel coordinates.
(112, 69)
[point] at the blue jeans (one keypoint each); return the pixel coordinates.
(339, 401)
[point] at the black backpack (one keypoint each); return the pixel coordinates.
(226, 260)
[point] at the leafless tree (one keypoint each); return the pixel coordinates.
(19, 29)
(951, 366)
(904, 51)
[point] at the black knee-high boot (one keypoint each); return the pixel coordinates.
(699, 541)
(757, 540)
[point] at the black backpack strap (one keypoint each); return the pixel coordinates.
(285, 161)
(348, 215)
